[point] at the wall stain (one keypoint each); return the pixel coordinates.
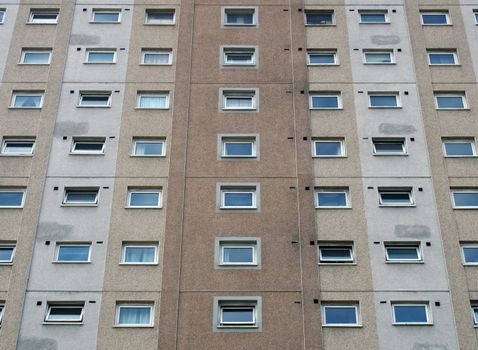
(385, 39)
(396, 129)
(414, 231)
(54, 231)
(71, 128)
(84, 39)
(34, 343)
(428, 346)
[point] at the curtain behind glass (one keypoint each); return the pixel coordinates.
(134, 315)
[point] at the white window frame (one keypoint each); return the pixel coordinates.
(332, 12)
(89, 190)
(462, 251)
(332, 190)
(233, 244)
(105, 10)
(16, 93)
(94, 93)
(159, 10)
(3, 14)
(239, 9)
(402, 140)
(436, 95)
(27, 51)
(157, 51)
(76, 140)
(231, 50)
(139, 245)
(238, 139)
(89, 51)
(14, 189)
(337, 95)
(148, 140)
(33, 12)
(443, 52)
(145, 190)
(325, 140)
(17, 140)
(65, 305)
(475, 16)
(356, 306)
(336, 246)
(396, 190)
(9, 245)
(144, 305)
(427, 310)
(373, 12)
(332, 52)
(470, 140)
(142, 94)
(462, 190)
(446, 13)
(246, 93)
(74, 244)
(245, 189)
(2, 308)
(244, 306)
(474, 306)
(384, 93)
(403, 245)
(390, 52)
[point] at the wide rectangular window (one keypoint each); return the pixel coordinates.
(238, 253)
(75, 196)
(384, 100)
(149, 147)
(88, 145)
(378, 57)
(322, 57)
(459, 147)
(325, 100)
(340, 315)
(100, 56)
(238, 197)
(26, 99)
(12, 198)
(18, 147)
(442, 57)
(396, 197)
(238, 147)
(402, 252)
(144, 198)
(106, 16)
(239, 56)
(139, 254)
(389, 146)
(65, 312)
(160, 17)
(239, 100)
(319, 18)
(134, 315)
(374, 16)
(410, 313)
(44, 16)
(332, 197)
(465, 198)
(73, 252)
(328, 148)
(156, 57)
(95, 99)
(470, 253)
(35, 56)
(335, 253)
(7, 252)
(153, 100)
(435, 18)
(239, 16)
(241, 314)
(450, 100)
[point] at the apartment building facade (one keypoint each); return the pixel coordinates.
(238, 174)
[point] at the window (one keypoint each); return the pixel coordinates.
(144, 198)
(73, 252)
(459, 147)
(410, 314)
(332, 197)
(148, 147)
(451, 100)
(35, 56)
(378, 57)
(329, 148)
(153, 100)
(322, 57)
(160, 17)
(238, 146)
(389, 146)
(402, 252)
(81, 196)
(470, 253)
(95, 99)
(65, 312)
(442, 58)
(474, 309)
(465, 198)
(396, 197)
(384, 100)
(134, 315)
(12, 198)
(238, 197)
(340, 314)
(7, 252)
(238, 253)
(325, 100)
(240, 16)
(44, 16)
(374, 16)
(2, 308)
(88, 145)
(434, 18)
(139, 253)
(239, 100)
(100, 56)
(238, 313)
(475, 13)
(335, 253)
(18, 146)
(156, 57)
(239, 56)
(106, 16)
(27, 99)
(319, 18)
(2, 16)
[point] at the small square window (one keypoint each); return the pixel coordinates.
(153, 100)
(156, 57)
(329, 197)
(442, 57)
(389, 146)
(378, 57)
(18, 146)
(67, 312)
(325, 100)
(35, 56)
(237, 313)
(340, 314)
(435, 18)
(7, 252)
(384, 100)
(139, 253)
(81, 196)
(410, 313)
(149, 147)
(238, 197)
(99, 56)
(88, 145)
(319, 18)
(100, 99)
(328, 148)
(106, 16)
(238, 56)
(238, 146)
(374, 16)
(469, 253)
(2, 16)
(402, 252)
(12, 198)
(239, 100)
(335, 253)
(73, 252)
(44, 16)
(450, 100)
(464, 198)
(459, 147)
(325, 57)
(239, 16)
(134, 315)
(396, 197)
(27, 99)
(160, 17)
(144, 198)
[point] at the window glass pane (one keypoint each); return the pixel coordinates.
(395, 198)
(44, 17)
(140, 254)
(450, 102)
(232, 199)
(64, 313)
(470, 254)
(325, 102)
(319, 18)
(383, 101)
(475, 315)
(95, 100)
(441, 58)
(434, 18)
(25, 147)
(238, 254)
(328, 148)
(156, 58)
(459, 148)
(98, 57)
(73, 253)
(340, 315)
(233, 315)
(239, 102)
(81, 197)
(11, 199)
(144, 199)
(152, 102)
(322, 58)
(6, 254)
(106, 17)
(239, 18)
(388, 147)
(335, 253)
(332, 199)
(36, 57)
(463, 199)
(238, 148)
(88, 147)
(377, 57)
(373, 17)
(27, 101)
(148, 148)
(135, 315)
(2, 16)
(239, 58)
(410, 313)
(402, 253)
(160, 17)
